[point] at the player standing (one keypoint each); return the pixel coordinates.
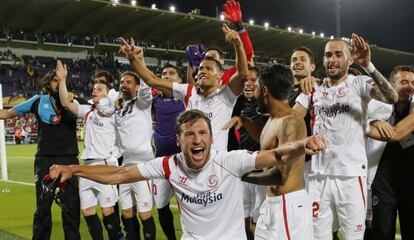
(100, 149)
(206, 183)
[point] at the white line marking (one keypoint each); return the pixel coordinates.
(17, 182)
(32, 184)
(21, 157)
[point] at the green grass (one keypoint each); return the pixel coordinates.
(17, 202)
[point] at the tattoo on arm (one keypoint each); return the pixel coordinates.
(384, 92)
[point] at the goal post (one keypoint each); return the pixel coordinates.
(4, 175)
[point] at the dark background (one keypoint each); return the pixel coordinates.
(385, 23)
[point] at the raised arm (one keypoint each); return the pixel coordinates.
(361, 54)
(236, 82)
(135, 55)
(144, 96)
(190, 72)
(99, 173)
(232, 12)
(195, 54)
(61, 73)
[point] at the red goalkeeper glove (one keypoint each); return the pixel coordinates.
(232, 12)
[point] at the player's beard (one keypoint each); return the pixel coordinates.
(342, 71)
(261, 106)
(300, 76)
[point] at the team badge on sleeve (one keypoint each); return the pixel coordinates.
(372, 83)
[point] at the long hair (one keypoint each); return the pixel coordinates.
(44, 82)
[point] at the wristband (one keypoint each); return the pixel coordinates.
(370, 68)
(238, 26)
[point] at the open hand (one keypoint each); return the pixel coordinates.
(232, 11)
(236, 122)
(361, 52)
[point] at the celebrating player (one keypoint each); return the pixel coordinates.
(99, 149)
(217, 103)
(57, 145)
(134, 127)
(338, 108)
(286, 213)
(206, 183)
(393, 177)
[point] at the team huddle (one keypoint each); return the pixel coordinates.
(247, 152)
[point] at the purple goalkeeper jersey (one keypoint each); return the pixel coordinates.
(166, 110)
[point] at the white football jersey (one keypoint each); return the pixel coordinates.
(99, 134)
(376, 111)
(134, 127)
(210, 199)
(339, 114)
(217, 106)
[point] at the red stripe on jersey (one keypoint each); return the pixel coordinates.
(237, 134)
(313, 116)
(285, 217)
(149, 187)
(175, 160)
(166, 167)
(85, 119)
(361, 187)
(188, 94)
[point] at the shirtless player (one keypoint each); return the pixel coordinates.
(286, 212)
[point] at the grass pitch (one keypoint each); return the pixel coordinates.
(17, 200)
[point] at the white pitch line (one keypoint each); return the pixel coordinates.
(17, 182)
(32, 184)
(20, 157)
